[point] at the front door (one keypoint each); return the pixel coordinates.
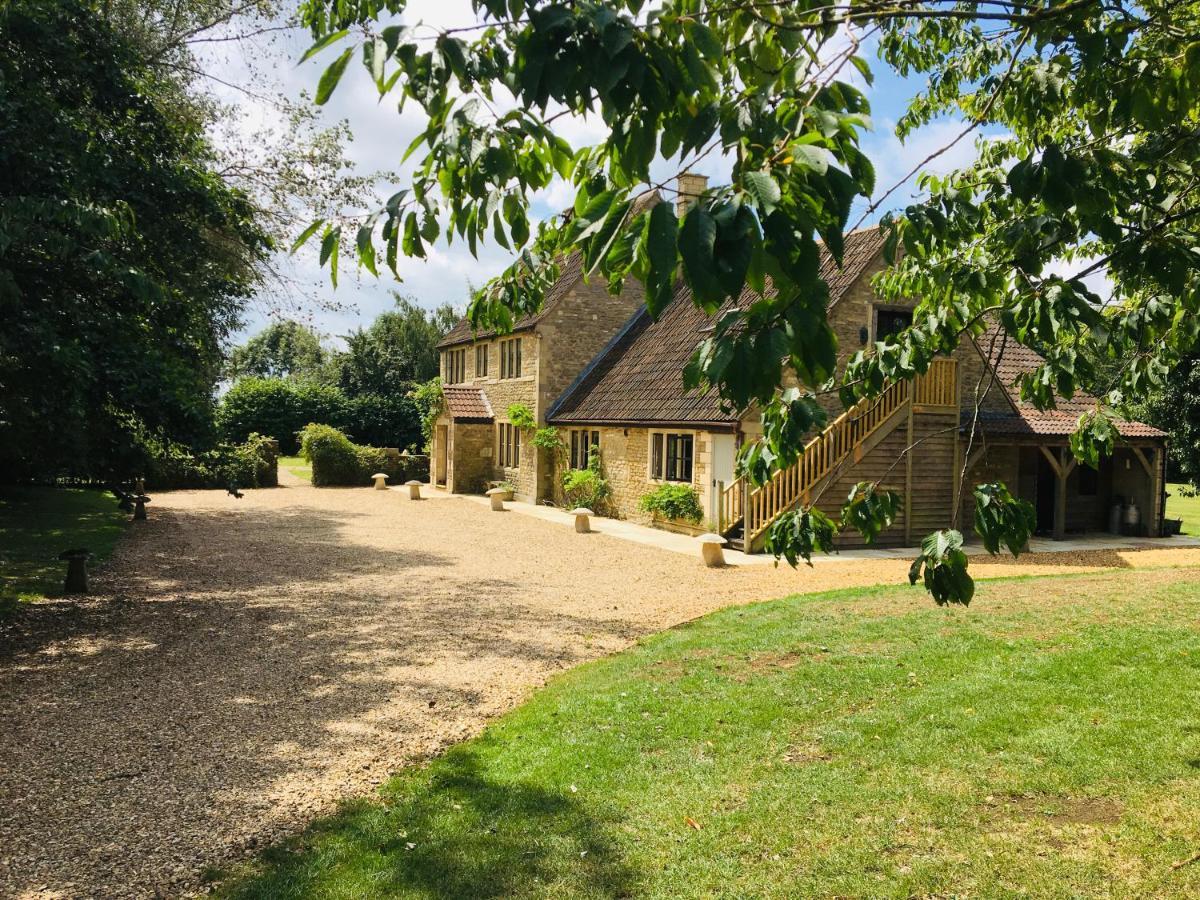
(724, 449)
(441, 455)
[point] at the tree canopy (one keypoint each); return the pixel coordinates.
(284, 349)
(124, 259)
(1090, 167)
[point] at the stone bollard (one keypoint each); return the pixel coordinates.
(414, 489)
(77, 577)
(497, 495)
(380, 481)
(711, 550)
(139, 511)
(582, 516)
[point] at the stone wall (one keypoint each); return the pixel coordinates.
(625, 464)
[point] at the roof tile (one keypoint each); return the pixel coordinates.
(467, 403)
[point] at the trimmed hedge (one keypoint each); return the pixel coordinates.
(339, 462)
(281, 407)
(251, 464)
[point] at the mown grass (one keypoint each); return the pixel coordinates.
(298, 466)
(37, 524)
(862, 743)
(1183, 507)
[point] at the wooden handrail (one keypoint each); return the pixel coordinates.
(939, 385)
(759, 508)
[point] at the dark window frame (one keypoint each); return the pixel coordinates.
(481, 360)
(510, 358)
(672, 456)
(508, 444)
(581, 442)
(896, 315)
(455, 366)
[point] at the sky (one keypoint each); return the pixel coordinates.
(381, 135)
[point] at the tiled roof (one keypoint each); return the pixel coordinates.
(467, 403)
(639, 378)
(570, 271)
(1010, 360)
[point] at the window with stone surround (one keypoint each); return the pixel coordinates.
(509, 445)
(510, 358)
(582, 440)
(481, 360)
(889, 322)
(454, 366)
(671, 456)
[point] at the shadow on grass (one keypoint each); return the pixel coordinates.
(450, 831)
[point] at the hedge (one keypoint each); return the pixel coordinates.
(339, 462)
(250, 464)
(281, 407)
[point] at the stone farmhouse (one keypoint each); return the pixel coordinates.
(600, 370)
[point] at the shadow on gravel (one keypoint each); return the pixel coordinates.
(452, 832)
(229, 659)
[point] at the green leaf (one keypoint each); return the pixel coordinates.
(661, 235)
(331, 77)
(323, 43)
(306, 234)
(763, 190)
(366, 249)
(697, 239)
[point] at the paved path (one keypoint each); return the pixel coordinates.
(246, 664)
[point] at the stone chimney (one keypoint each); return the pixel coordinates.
(690, 186)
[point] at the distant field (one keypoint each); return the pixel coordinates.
(297, 465)
(37, 524)
(1186, 508)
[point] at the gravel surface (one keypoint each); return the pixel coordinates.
(245, 664)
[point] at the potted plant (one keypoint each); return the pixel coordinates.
(674, 507)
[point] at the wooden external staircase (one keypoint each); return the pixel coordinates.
(747, 512)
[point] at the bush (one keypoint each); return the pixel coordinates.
(339, 462)
(250, 464)
(586, 487)
(282, 407)
(678, 502)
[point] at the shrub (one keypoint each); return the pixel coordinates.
(281, 407)
(522, 416)
(586, 487)
(678, 502)
(247, 465)
(430, 402)
(338, 461)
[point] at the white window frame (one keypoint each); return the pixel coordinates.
(666, 435)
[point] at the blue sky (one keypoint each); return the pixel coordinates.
(381, 135)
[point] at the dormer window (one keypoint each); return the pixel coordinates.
(890, 322)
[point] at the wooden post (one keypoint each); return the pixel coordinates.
(1060, 504)
(908, 478)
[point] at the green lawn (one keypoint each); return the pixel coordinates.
(298, 466)
(1186, 508)
(37, 524)
(1045, 742)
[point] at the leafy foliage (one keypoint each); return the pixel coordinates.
(587, 487)
(124, 259)
(674, 502)
(396, 350)
(285, 349)
(799, 533)
(281, 407)
(252, 464)
(338, 462)
(1001, 518)
(943, 565)
(522, 416)
(548, 439)
(1175, 408)
(430, 403)
(1096, 109)
(870, 510)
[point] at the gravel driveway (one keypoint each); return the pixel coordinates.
(243, 665)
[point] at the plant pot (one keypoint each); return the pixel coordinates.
(678, 526)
